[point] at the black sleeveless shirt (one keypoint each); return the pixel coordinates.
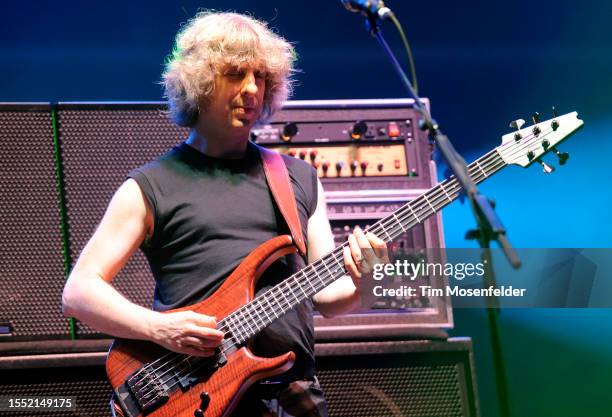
(209, 214)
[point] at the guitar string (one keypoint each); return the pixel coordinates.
(452, 192)
(441, 186)
(445, 190)
(186, 359)
(418, 204)
(197, 368)
(435, 200)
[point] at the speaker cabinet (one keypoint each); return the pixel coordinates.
(31, 245)
(100, 144)
(399, 378)
(386, 379)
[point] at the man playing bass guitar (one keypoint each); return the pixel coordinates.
(198, 210)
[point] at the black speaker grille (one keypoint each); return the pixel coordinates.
(415, 384)
(85, 386)
(400, 392)
(31, 257)
(99, 147)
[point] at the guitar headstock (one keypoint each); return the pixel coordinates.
(529, 144)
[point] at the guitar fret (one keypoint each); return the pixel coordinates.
(246, 308)
(413, 213)
(337, 262)
(259, 315)
(299, 284)
(251, 320)
(292, 293)
(270, 305)
(238, 321)
(399, 223)
(387, 233)
(328, 271)
(432, 207)
(234, 332)
(308, 279)
(444, 190)
(482, 170)
(285, 297)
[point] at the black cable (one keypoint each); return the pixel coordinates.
(399, 28)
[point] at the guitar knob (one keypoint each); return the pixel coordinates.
(325, 167)
(198, 413)
(563, 156)
(339, 166)
(359, 129)
(289, 131)
(364, 166)
(205, 400)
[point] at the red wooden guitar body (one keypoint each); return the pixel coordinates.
(227, 383)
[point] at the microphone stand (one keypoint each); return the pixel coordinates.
(489, 226)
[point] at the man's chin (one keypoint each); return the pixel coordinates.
(243, 123)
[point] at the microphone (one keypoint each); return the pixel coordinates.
(367, 7)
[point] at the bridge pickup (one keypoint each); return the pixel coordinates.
(147, 389)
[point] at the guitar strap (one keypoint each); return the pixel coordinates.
(280, 185)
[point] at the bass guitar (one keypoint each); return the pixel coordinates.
(148, 380)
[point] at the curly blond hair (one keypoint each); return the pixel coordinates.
(210, 41)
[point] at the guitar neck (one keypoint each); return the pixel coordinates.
(263, 310)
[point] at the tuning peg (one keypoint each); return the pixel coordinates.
(554, 124)
(563, 156)
(517, 124)
(545, 167)
(536, 119)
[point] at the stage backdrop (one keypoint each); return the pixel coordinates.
(481, 64)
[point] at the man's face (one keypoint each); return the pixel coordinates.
(237, 100)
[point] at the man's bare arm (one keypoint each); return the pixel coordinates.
(89, 297)
(343, 295)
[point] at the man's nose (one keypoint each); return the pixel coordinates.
(250, 83)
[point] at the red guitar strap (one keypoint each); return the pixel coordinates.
(280, 185)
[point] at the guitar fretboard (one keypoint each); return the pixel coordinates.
(251, 318)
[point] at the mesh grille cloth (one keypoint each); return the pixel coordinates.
(31, 260)
(99, 147)
(365, 387)
(86, 386)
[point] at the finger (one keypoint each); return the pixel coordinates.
(212, 339)
(354, 251)
(364, 245)
(379, 245)
(192, 342)
(351, 268)
(203, 345)
(204, 320)
(214, 335)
